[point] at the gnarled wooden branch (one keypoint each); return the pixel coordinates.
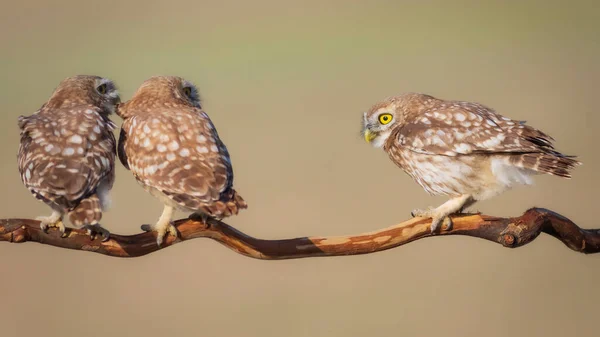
(510, 232)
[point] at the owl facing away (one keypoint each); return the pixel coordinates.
(174, 151)
(462, 150)
(67, 152)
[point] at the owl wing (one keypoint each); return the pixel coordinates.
(64, 155)
(470, 128)
(179, 153)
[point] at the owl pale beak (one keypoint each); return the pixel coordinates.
(369, 136)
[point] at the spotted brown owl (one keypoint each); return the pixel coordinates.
(462, 150)
(174, 151)
(67, 152)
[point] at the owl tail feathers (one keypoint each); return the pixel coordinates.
(230, 204)
(88, 212)
(550, 162)
(236, 202)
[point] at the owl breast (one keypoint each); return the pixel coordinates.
(479, 175)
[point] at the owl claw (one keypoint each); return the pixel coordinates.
(52, 221)
(444, 221)
(61, 227)
(93, 230)
(161, 231)
(436, 220)
(203, 217)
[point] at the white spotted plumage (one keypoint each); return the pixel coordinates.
(463, 150)
(173, 150)
(67, 150)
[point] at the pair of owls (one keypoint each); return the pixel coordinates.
(67, 153)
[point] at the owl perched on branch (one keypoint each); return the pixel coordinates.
(67, 152)
(174, 151)
(463, 150)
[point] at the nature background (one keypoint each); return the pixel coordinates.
(286, 83)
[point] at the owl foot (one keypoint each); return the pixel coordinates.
(444, 221)
(161, 230)
(440, 215)
(94, 230)
(54, 220)
(202, 217)
(422, 213)
(163, 225)
(437, 219)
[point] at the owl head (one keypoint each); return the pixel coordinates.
(85, 89)
(161, 91)
(389, 115)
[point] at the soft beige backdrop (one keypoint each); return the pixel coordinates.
(286, 84)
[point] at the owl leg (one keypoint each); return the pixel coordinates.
(440, 214)
(163, 225)
(467, 204)
(54, 220)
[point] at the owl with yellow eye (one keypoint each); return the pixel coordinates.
(462, 150)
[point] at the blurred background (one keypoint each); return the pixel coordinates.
(286, 84)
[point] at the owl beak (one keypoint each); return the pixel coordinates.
(117, 109)
(369, 136)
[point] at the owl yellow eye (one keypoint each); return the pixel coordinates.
(101, 89)
(385, 118)
(187, 91)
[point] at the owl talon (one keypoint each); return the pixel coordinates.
(435, 224)
(94, 230)
(448, 223)
(445, 222)
(173, 230)
(53, 220)
(61, 227)
(202, 217)
(438, 219)
(161, 231)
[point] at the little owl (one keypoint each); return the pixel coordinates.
(462, 150)
(67, 152)
(173, 150)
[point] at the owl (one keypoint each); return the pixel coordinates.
(67, 152)
(174, 151)
(463, 150)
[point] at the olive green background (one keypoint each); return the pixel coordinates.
(286, 83)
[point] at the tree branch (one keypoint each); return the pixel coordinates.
(510, 232)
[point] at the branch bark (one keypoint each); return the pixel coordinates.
(509, 232)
